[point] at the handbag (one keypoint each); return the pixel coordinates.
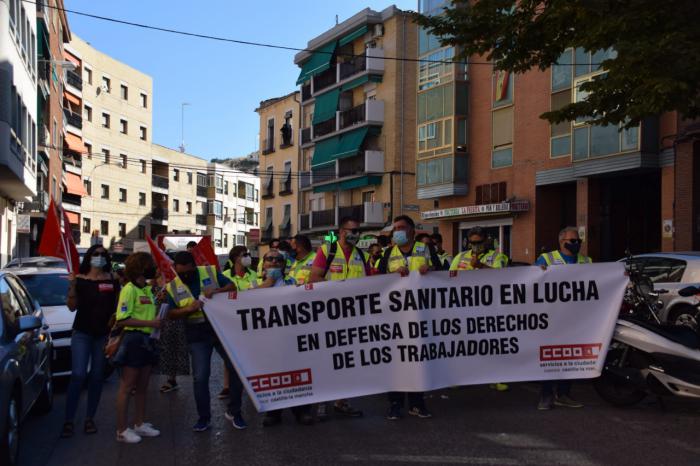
(114, 341)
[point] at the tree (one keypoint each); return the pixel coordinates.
(656, 67)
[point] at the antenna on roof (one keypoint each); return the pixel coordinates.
(336, 20)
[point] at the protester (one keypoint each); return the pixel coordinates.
(136, 312)
(172, 344)
(184, 292)
(93, 296)
(445, 258)
(285, 248)
(273, 275)
(335, 262)
(191, 245)
(423, 238)
(375, 254)
(406, 256)
(384, 241)
(273, 244)
(558, 392)
(301, 269)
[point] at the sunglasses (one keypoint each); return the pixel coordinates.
(354, 231)
(476, 243)
(100, 254)
(279, 259)
(574, 241)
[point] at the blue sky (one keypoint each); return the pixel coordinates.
(224, 82)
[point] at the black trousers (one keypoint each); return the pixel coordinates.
(415, 399)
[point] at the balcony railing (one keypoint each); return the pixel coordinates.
(323, 218)
(305, 135)
(266, 234)
(305, 92)
(39, 203)
(325, 127)
(159, 213)
(74, 80)
(268, 189)
(353, 116)
(286, 184)
(44, 70)
(304, 180)
(268, 146)
(354, 66)
(322, 175)
(201, 191)
(73, 119)
(285, 232)
(160, 181)
(325, 79)
(200, 219)
(304, 222)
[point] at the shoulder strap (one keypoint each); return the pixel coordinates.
(384, 261)
(362, 257)
(332, 249)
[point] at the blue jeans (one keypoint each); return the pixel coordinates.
(551, 388)
(202, 341)
(85, 350)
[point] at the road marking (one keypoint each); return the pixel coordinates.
(428, 459)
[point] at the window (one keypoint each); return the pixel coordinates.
(502, 137)
(11, 306)
(176, 205)
(124, 91)
(88, 75)
(435, 103)
(87, 112)
(226, 240)
(88, 148)
(105, 156)
(240, 240)
(143, 166)
(660, 269)
(560, 144)
(368, 196)
(435, 171)
(219, 183)
(124, 160)
(226, 187)
(123, 126)
(105, 120)
(432, 72)
(502, 88)
(189, 177)
(122, 230)
(142, 231)
(104, 227)
(144, 100)
(142, 198)
(502, 158)
(106, 84)
(105, 191)
(176, 174)
(561, 74)
(188, 207)
(86, 225)
(122, 194)
(144, 133)
(88, 186)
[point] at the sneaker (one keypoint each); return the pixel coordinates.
(322, 411)
(499, 387)
(271, 420)
(223, 394)
(394, 413)
(128, 436)
(202, 425)
(546, 403)
(567, 402)
(345, 409)
(146, 430)
(420, 411)
(236, 420)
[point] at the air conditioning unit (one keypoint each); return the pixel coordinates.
(378, 30)
(103, 88)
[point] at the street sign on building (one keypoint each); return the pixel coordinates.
(480, 209)
(23, 224)
(254, 236)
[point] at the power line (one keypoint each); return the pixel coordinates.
(258, 44)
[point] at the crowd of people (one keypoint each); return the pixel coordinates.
(162, 326)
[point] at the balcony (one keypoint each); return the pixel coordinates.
(371, 111)
(268, 190)
(324, 128)
(370, 63)
(369, 214)
(159, 213)
(161, 182)
(354, 66)
(286, 185)
(201, 191)
(74, 79)
(304, 222)
(268, 146)
(371, 161)
(200, 219)
(285, 231)
(73, 119)
(324, 174)
(305, 137)
(305, 92)
(266, 234)
(39, 203)
(325, 80)
(324, 218)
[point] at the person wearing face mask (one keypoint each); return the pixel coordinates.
(406, 256)
(93, 296)
(375, 255)
(445, 258)
(479, 255)
(558, 392)
(136, 313)
(273, 244)
(340, 261)
(184, 291)
(301, 269)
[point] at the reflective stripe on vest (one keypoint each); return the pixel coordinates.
(555, 258)
(340, 269)
(415, 261)
(301, 270)
(182, 295)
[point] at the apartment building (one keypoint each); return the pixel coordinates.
(18, 121)
(358, 136)
(484, 157)
(118, 170)
(280, 135)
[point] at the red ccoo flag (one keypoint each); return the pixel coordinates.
(70, 248)
(204, 254)
(58, 243)
(165, 265)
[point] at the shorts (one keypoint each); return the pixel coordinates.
(137, 349)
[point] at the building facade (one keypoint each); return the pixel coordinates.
(280, 120)
(358, 136)
(18, 122)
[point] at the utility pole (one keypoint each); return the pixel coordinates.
(182, 125)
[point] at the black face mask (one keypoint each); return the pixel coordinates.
(149, 273)
(573, 247)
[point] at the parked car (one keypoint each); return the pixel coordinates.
(42, 261)
(25, 363)
(49, 286)
(671, 272)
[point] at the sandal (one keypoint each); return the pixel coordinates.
(169, 386)
(90, 427)
(68, 429)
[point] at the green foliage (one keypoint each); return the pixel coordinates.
(657, 67)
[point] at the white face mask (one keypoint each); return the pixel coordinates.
(246, 261)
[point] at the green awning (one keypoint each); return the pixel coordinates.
(325, 106)
(367, 180)
(352, 36)
(375, 78)
(319, 62)
(324, 152)
(349, 143)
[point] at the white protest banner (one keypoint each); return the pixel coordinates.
(335, 340)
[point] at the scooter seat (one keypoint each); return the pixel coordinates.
(677, 333)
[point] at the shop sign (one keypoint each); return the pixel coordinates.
(521, 205)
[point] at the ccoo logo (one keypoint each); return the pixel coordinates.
(570, 352)
(261, 383)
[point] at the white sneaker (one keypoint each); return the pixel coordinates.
(128, 436)
(146, 430)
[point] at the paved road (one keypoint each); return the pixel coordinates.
(472, 425)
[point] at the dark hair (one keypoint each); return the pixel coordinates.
(347, 219)
(375, 245)
(135, 264)
(406, 219)
(476, 231)
(420, 237)
(383, 240)
(285, 246)
(234, 254)
(303, 241)
(85, 265)
(184, 258)
(192, 244)
(437, 237)
(274, 240)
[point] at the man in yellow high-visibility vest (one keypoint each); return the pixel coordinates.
(304, 259)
